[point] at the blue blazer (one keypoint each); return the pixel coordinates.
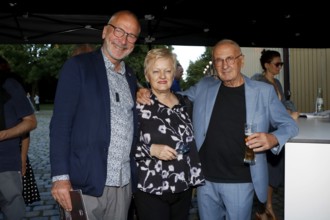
(80, 125)
(262, 107)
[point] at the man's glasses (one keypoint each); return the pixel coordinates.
(118, 32)
(280, 64)
(229, 60)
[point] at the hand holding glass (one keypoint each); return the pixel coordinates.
(249, 157)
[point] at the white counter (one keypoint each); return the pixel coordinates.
(315, 130)
(307, 171)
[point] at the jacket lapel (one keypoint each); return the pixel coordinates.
(251, 97)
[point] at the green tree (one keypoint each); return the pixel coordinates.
(195, 70)
(36, 63)
(39, 64)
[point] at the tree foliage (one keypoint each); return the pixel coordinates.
(195, 70)
(39, 64)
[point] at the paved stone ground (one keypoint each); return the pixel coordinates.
(46, 209)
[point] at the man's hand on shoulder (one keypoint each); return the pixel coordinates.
(143, 96)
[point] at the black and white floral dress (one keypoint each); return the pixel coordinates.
(159, 124)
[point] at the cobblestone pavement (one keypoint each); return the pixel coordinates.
(46, 209)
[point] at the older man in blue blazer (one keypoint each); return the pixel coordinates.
(222, 104)
(94, 124)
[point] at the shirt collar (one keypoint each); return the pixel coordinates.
(111, 66)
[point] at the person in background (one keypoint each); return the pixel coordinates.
(177, 78)
(25, 143)
(271, 64)
(30, 99)
(166, 155)
(37, 102)
(16, 120)
(221, 107)
(30, 188)
(94, 122)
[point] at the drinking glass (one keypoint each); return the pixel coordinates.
(249, 156)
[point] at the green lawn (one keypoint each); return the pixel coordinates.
(46, 106)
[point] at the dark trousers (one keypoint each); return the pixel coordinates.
(169, 206)
(132, 213)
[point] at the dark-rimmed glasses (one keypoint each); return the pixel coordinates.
(280, 64)
(118, 32)
(229, 60)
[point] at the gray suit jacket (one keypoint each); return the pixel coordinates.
(262, 107)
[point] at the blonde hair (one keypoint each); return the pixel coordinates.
(159, 53)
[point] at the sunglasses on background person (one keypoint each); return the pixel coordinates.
(280, 64)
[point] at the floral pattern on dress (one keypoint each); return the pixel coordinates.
(159, 124)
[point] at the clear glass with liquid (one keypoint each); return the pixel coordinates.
(319, 104)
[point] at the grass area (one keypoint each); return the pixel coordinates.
(46, 106)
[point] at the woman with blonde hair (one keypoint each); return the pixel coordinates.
(167, 161)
